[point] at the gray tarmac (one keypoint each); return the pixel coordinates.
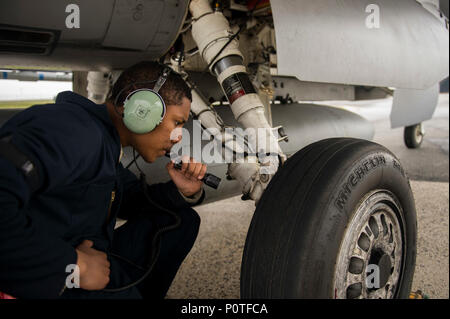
(212, 268)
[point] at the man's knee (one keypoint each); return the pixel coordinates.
(190, 222)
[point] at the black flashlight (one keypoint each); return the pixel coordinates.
(209, 179)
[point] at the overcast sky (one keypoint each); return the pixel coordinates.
(28, 90)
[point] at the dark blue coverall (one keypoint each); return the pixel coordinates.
(76, 150)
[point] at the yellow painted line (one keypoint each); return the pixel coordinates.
(22, 104)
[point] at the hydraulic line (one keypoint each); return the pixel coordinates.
(219, 48)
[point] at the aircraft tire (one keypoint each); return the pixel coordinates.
(334, 208)
(413, 136)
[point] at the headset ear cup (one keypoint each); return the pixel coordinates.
(143, 110)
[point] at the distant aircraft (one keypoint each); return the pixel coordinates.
(337, 219)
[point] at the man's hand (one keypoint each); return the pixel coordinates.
(188, 179)
(94, 267)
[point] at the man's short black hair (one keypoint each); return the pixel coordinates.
(144, 75)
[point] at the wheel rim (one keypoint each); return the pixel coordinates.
(418, 133)
(370, 259)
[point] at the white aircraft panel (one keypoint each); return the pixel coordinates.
(331, 41)
(410, 107)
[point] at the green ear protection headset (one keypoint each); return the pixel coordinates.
(144, 109)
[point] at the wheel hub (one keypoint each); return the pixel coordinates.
(384, 264)
(418, 133)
